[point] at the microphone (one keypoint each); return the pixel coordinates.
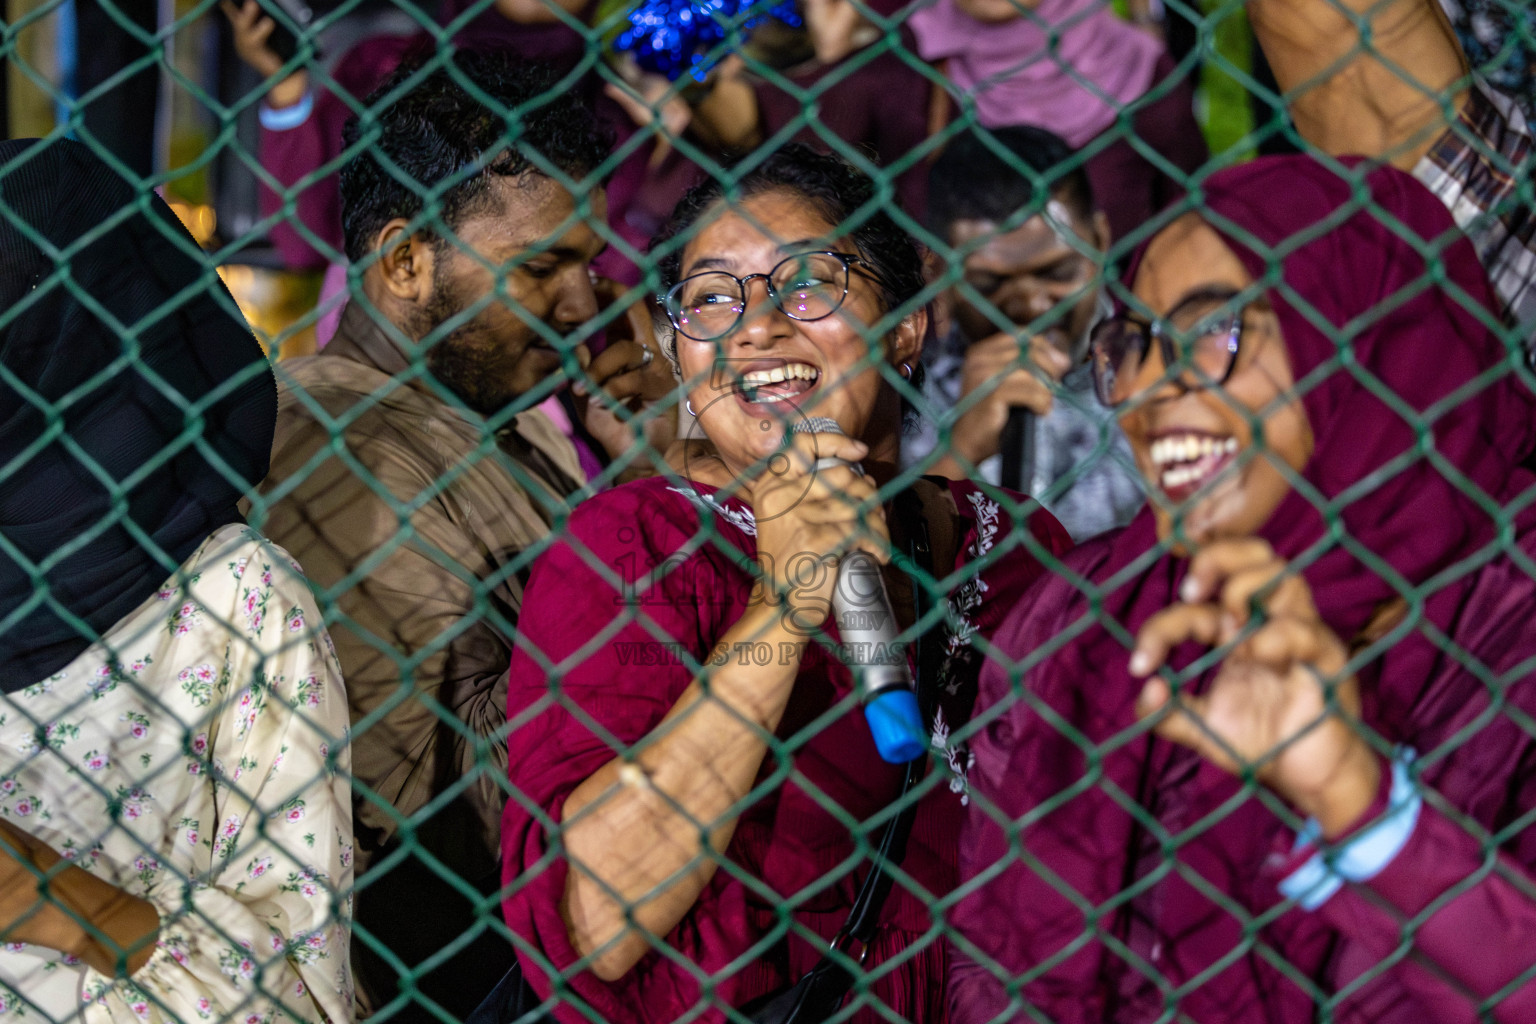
(867, 626)
(1017, 472)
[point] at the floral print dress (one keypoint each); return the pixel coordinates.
(196, 756)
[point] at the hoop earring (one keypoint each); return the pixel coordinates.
(906, 371)
(689, 403)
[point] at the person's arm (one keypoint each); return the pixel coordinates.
(295, 140)
(47, 902)
(240, 836)
(267, 925)
(1408, 862)
(540, 12)
(1389, 97)
(634, 830)
(414, 667)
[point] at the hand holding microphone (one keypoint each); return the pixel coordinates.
(867, 627)
(1001, 420)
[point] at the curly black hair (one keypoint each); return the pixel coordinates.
(438, 129)
(840, 192)
(971, 181)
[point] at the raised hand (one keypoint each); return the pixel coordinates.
(1280, 702)
(627, 377)
(252, 28)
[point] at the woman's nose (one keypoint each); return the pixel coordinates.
(761, 318)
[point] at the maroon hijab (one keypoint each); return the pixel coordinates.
(1377, 294)
(1366, 259)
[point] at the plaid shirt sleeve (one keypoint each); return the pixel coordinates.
(1476, 168)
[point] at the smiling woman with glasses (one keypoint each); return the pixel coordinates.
(1277, 764)
(688, 800)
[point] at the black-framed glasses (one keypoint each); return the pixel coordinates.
(1198, 341)
(805, 286)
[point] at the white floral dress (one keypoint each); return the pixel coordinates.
(197, 757)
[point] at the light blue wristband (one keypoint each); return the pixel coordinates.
(1363, 855)
(288, 117)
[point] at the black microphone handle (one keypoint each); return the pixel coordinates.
(1018, 451)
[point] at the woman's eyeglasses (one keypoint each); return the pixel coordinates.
(1198, 342)
(805, 286)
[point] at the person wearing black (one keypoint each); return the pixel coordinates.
(175, 826)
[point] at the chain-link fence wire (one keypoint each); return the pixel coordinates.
(142, 861)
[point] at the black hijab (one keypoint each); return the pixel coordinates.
(135, 406)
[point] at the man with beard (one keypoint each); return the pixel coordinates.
(1028, 291)
(415, 481)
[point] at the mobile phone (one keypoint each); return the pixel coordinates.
(284, 41)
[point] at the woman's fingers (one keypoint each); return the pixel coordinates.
(1237, 575)
(1171, 627)
(1184, 722)
(1286, 641)
(833, 506)
(1277, 591)
(618, 358)
(1214, 563)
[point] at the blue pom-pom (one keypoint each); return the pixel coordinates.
(671, 37)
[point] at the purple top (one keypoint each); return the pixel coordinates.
(295, 154)
(555, 43)
(616, 643)
(1068, 65)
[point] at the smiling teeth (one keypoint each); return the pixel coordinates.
(793, 371)
(1188, 448)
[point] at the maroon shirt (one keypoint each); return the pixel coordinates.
(586, 614)
(294, 154)
(1178, 909)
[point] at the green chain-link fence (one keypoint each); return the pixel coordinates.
(439, 519)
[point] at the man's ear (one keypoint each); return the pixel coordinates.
(906, 341)
(405, 262)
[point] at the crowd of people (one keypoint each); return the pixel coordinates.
(494, 663)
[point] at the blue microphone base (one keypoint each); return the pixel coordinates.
(896, 725)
